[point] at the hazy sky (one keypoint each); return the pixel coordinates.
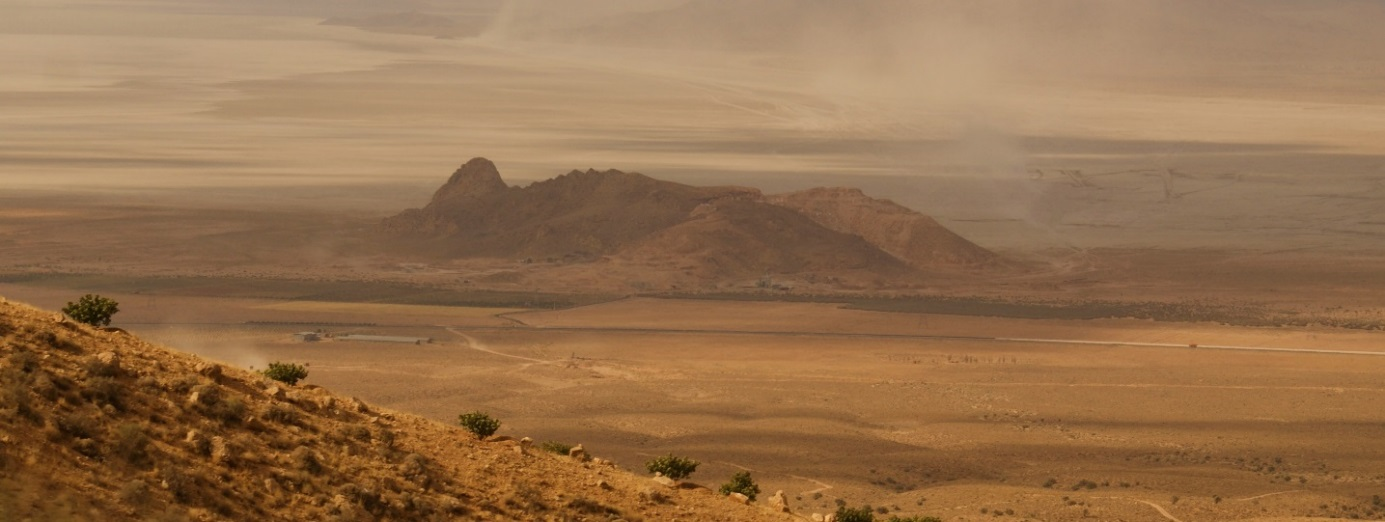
(973, 110)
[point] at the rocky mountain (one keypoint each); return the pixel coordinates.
(96, 424)
(714, 231)
(901, 232)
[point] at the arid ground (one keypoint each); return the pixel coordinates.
(923, 413)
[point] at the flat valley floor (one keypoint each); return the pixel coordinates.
(950, 416)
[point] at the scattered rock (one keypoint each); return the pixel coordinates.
(739, 498)
(603, 485)
(343, 508)
(209, 370)
(817, 517)
(665, 481)
(359, 406)
(830, 517)
(221, 452)
(276, 393)
(778, 502)
(110, 361)
(578, 452)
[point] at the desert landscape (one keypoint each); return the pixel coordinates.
(1077, 260)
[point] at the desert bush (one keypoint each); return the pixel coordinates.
(212, 402)
(554, 446)
(97, 368)
(676, 468)
(230, 410)
(1084, 483)
(282, 413)
(24, 360)
(92, 309)
(102, 391)
(180, 484)
(130, 443)
(592, 507)
(741, 483)
(134, 493)
(479, 424)
(78, 425)
(306, 460)
(184, 384)
(15, 394)
(287, 373)
(354, 432)
(201, 446)
(386, 438)
(860, 514)
(413, 464)
(207, 394)
(416, 467)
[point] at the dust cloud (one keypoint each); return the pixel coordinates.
(999, 117)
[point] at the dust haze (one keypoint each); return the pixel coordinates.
(1158, 173)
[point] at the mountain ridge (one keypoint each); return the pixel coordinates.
(716, 232)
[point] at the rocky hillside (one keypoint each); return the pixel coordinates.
(905, 234)
(712, 231)
(99, 425)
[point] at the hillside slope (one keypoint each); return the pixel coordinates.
(909, 236)
(100, 425)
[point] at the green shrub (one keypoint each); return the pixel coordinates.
(860, 514)
(741, 483)
(479, 424)
(676, 468)
(554, 446)
(287, 373)
(92, 309)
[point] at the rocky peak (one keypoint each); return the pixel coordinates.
(478, 176)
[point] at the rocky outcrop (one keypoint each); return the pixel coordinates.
(713, 232)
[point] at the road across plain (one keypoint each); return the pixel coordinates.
(849, 335)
